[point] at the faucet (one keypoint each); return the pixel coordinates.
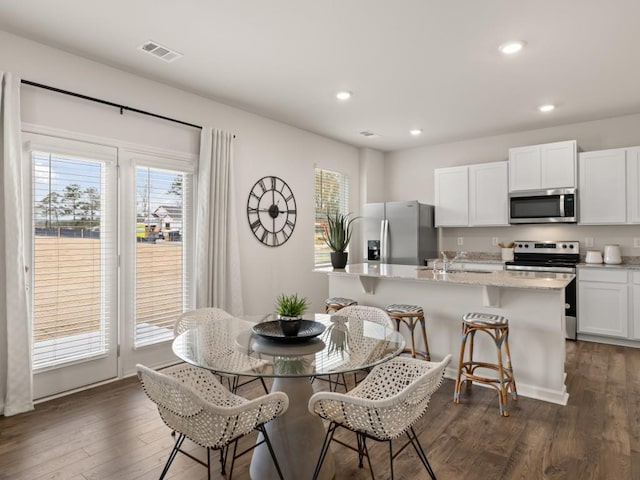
(447, 262)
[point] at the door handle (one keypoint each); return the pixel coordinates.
(384, 241)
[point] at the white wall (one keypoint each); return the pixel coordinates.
(409, 174)
(262, 147)
(372, 184)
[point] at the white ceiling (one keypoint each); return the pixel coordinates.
(429, 64)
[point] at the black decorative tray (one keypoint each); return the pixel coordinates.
(272, 331)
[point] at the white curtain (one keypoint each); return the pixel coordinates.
(218, 280)
(16, 383)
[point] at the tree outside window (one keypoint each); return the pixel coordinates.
(331, 194)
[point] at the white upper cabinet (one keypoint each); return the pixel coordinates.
(633, 185)
(524, 168)
(488, 194)
(558, 164)
(551, 165)
(474, 195)
(603, 187)
(452, 197)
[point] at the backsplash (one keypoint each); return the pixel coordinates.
(474, 256)
(480, 239)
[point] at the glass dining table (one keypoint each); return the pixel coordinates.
(325, 345)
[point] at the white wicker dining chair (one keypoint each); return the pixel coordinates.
(358, 312)
(198, 407)
(383, 407)
(223, 348)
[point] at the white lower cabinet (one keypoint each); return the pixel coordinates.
(603, 302)
(635, 316)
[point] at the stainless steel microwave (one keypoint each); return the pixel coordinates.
(544, 206)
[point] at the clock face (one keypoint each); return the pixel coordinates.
(271, 211)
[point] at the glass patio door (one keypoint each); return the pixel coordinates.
(74, 265)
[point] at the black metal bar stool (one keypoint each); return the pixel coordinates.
(497, 327)
(333, 304)
(410, 315)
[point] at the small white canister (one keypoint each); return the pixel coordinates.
(612, 254)
(593, 256)
(507, 254)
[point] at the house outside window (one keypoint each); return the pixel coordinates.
(331, 195)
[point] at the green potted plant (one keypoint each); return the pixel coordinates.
(337, 335)
(292, 366)
(289, 309)
(337, 234)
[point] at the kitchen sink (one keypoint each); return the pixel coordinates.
(455, 270)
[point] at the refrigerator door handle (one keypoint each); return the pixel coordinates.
(384, 241)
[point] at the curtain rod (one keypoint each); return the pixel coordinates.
(111, 104)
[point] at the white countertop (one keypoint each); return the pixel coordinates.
(510, 279)
(623, 266)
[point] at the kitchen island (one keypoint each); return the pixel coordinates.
(532, 301)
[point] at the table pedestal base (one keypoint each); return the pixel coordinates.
(296, 436)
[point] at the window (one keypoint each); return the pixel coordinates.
(111, 249)
(332, 194)
(74, 252)
(161, 289)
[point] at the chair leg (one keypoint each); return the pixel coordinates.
(411, 323)
(360, 450)
(264, 385)
(270, 447)
(427, 355)
(463, 347)
(223, 459)
(172, 455)
(325, 447)
(365, 450)
(514, 390)
(391, 458)
(413, 438)
(503, 387)
(233, 458)
(208, 463)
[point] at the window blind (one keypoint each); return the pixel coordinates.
(73, 246)
(331, 194)
(162, 229)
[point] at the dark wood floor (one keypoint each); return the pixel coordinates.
(114, 432)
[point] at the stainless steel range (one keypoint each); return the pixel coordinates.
(554, 257)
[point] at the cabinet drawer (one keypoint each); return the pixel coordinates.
(601, 275)
(636, 279)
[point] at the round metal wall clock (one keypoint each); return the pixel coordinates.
(271, 211)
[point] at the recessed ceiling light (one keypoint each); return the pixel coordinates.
(546, 108)
(510, 48)
(415, 132)
(343, 95)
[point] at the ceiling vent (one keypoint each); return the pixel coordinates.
(368, 134)
(160, 51)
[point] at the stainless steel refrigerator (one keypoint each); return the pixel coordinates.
(399, 232)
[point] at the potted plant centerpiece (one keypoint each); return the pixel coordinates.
(337, 235)
(337, 335)
(289, 309)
